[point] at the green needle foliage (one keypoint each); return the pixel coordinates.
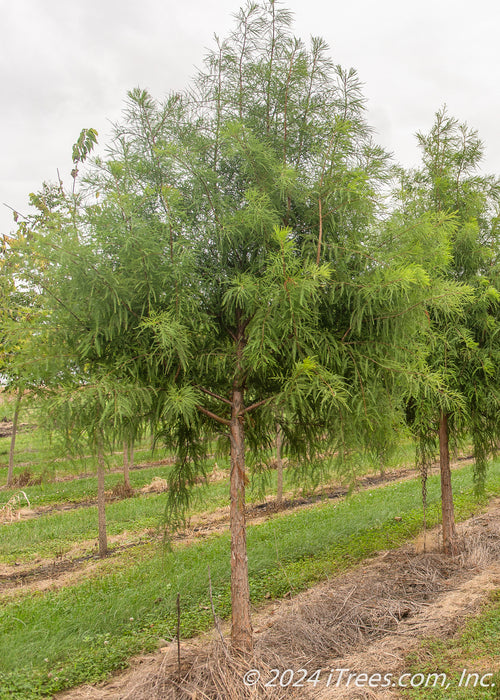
(463, 341)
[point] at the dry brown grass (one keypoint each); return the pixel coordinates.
(27, 478)
(10, 510)
(371, 602)
(157, 485)
(320, 626)
(364, 607)
(122, 491)
(209, 674)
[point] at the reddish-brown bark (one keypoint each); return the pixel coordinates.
(10, 470)
(448, 513)
(279, 466)
(241, 629)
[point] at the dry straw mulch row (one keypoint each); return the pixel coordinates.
(335, 619)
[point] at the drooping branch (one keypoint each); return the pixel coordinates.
(320, 235)
(285, 115)
(271, 59)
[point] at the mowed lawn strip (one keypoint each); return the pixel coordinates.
(76, 475)
(81, 634)
(73, 478)
(81, 489)
(43, 456)
(56, 533)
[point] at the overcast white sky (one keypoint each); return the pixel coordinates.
(67, 64)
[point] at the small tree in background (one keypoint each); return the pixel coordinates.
(20, 313)
(91, 411)
(464, 345)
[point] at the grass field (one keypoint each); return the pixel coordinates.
(81, 633)
(89, 626)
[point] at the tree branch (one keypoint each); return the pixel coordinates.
(215, 417)
(256, 405)
(216, 396)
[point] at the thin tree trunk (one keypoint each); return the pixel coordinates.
(101, 505)
(449, 532)
(126, 463)
(241, 628)
(10, 471)
(279, 466)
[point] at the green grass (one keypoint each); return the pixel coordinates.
(47, 456)
(474, 648)
(81, 489)
(84, 488)
(43, 457)
(56, 533)
(86, 631)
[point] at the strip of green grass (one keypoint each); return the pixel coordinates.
(81, 489)
(85, 488)
(36, 454)
(475, 649)
(89, 630)
(47, 457)
(55, 534)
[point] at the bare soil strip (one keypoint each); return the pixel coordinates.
(439, 620)
(367, 621)
(6, 427)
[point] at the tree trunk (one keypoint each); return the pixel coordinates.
(241, 627)
(10, 471)
(101, 505)
(126, 463)
(279, 466)
(449, 532)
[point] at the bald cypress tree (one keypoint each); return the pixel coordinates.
(227, 256)
(463, 342)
